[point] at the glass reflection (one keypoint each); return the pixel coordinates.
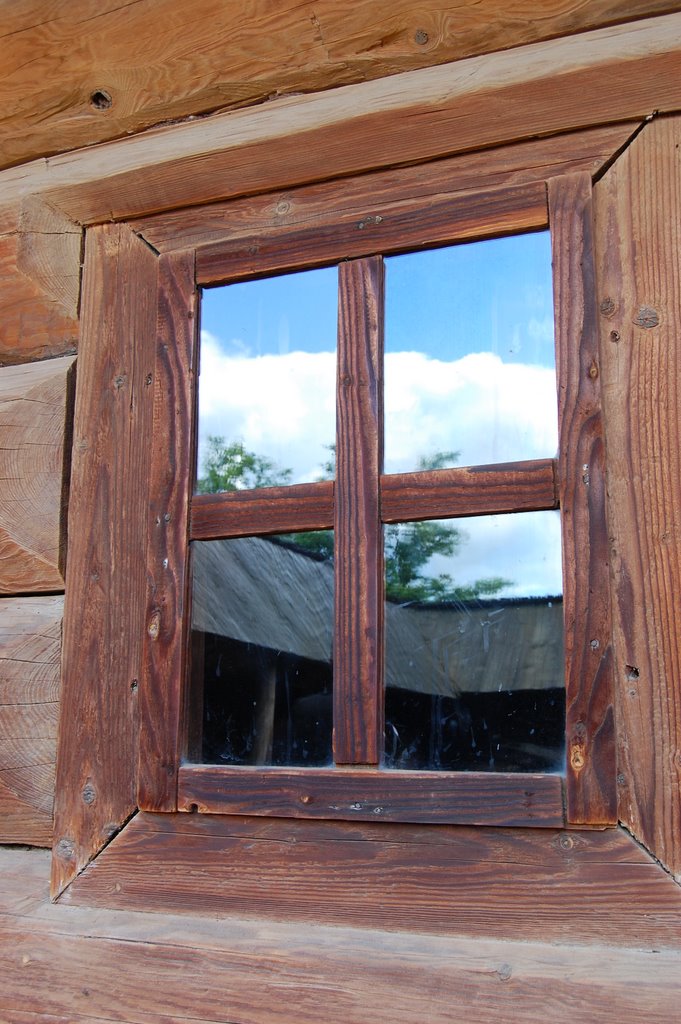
(262, 638)
(474, 644)
(267, 381)
(470, 362)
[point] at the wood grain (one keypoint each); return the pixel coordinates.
(639, 241)
(36, 407)
(471, 491)
(163, 679)
(521, 883)
(158, 60)
(63, 963)
(39, 282)
(360, 197)
(265, 510)
(590, 726)
(358, 549)
(30, 649)
(391, 227)
(627, 71)
(468, 798)
(105, 580)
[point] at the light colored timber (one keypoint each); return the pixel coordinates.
(35, 412)
(30, 648)
(627, 71)
(638, 220)
(39, 281)
(287, 213)
(163, 59)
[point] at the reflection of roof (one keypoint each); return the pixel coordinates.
(268, 594)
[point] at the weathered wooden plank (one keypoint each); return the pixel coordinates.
(157, 60)
(163, 680)
(590, 713)
(510, 883)
(358, 549)
(393, 226)
(361, 196)
(105, 581)
(467, 798)
(35, 413)
(473, 491)
(639, 246)
(627, 71)
(39, 282)
(267, 510)
(253, 970)
(30, 649)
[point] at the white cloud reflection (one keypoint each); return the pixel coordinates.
(283, 407)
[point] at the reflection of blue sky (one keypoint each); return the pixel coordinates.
(469, 367)
(494, 296)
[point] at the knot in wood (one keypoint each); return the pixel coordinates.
(421, 36)
(154, 627)
(89, 795)
(647, 317)
(607, 307)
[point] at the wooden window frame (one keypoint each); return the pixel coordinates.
(399, 216)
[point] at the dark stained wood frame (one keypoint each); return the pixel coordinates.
(343, 793)
(150, 689)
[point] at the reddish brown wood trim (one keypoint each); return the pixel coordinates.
(105, 576)
(638, 239)
(591, 791)
(358, 635)
(390, 227)
(360, 196)
(466, 798)
(162, 682)
(266, 510)
(472, 491)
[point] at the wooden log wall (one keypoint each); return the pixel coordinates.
(140, 64)
(214, 57)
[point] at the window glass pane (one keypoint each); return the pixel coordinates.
(470, 364)
(262, 639)
(474, 644)
(267, 381)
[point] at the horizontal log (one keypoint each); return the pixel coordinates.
(92, 71)
(35, 411)
(627, 72)
(394, 226)
(473, 491)
(358, 198)
(565, 886)
(262, 511)
(467, 798)
(30, 650)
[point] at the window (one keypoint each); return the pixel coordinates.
(372, 777)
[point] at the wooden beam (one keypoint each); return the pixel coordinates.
(467, 798)
(93, 71)
(359, 199)
(627, 72)
(358, 713)
(39, 282)
(30, 650)
(35, 421)
(566, 886)
(590, 712)
(106, 578)
(163, 682)
(638, 219)
(58, 967)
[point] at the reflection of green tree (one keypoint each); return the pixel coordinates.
(229, 466)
